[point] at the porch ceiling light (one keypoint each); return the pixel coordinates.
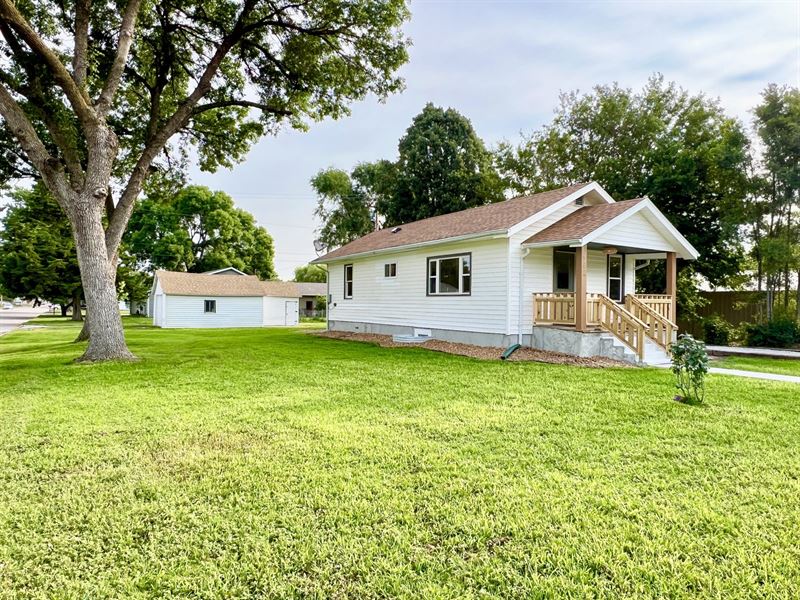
(610, 250)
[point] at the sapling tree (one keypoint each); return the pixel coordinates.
(97, 96)
(690, 366)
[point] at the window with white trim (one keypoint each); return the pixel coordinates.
(390, 270)
(348, 281)
(615, 269)
(450, 275)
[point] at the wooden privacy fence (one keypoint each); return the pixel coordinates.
(735, 307)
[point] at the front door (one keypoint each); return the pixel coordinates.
(615, 289)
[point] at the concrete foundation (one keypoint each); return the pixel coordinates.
(475, 338)
(552, 339)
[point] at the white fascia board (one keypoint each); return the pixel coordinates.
(661, 223)
(594, 186)
(499, 233)
(552, 244)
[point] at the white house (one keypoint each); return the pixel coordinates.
(554, 270)
(224, 298)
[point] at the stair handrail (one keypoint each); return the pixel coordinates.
(632, 330)
(659, 328)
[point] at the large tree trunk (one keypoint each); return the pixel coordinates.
(76, 307)
(107, 340)
(83, 336)
(64, 308)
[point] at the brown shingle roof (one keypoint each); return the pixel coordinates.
(203, 284)
(306, 288)
(481, 219)
(581, 222)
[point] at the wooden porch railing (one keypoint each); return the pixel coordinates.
(660, 303)
(554, 308)
(601, 311)
(626, 327)
(659, 329)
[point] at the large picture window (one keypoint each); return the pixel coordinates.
(450, 275)
(348, 281)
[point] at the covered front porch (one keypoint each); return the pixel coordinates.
(595, 254)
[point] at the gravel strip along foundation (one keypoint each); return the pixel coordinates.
(480, 352)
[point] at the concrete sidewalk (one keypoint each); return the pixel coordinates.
(755, 375)
(765, 352)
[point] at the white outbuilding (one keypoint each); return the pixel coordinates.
(220, 299)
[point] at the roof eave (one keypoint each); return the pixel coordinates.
(407, 247)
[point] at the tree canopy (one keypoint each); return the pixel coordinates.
(348, 203)
(198, 230)
(680, 150)
(37, 252)
(443, 167)
(96, 96)
(311, 274)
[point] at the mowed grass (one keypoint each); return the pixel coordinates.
(781, 366)
(272, 463)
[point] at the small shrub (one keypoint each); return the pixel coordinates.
(690, 366)
(779, 333)
(717, 331)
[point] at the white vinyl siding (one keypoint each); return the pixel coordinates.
(636, 232)
(402, 300)
(234, 311)
(280, 311)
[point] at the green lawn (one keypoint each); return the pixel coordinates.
(271, 463)
(782, 366)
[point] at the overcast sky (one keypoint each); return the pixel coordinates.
(502, 64)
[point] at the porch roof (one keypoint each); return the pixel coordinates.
(589, 224)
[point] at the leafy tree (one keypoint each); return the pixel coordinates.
(37, 252)
(96, 96)
(443, 167)
(311, 273)
(680, 150)
(198, 230)
(774, 217)
(347, 204)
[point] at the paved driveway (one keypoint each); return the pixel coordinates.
(17, 317)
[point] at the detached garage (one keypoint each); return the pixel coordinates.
(225, 298)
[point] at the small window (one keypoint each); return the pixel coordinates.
(348, 281)
(210, 306)
(390, 270)
(450, 275)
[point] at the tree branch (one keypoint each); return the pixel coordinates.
(35, 150)
(79, 59)
(246, 103)
(106, 98)
(181, 116)
(77, 97)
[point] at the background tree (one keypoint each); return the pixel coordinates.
(98, 96)
(348, 203)
(37, 252)
(198, 230)
(311, 274)
(775, 218)
(680, 150)
(443, 167)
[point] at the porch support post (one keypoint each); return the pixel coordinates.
(672, 283)
(580, 288)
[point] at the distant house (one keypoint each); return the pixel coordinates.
(223, 298)
(309, 292)
(555, 271)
